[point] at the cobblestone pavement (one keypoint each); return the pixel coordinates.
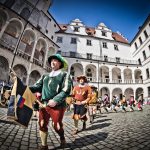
(113, 131)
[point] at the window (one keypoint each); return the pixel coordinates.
(89, 42)
(144, 55)
(89, 55)
(89, 74)
(105, 58)
(140, 40)
(117, 59)
(72, 72)
(147, 73)
(104, 33)
(72, 54)
(139, 60)
(149, 47)
(25, 13)
(59, 39)
(135, 45)
(9, 3)
(73, 40)
(148, 91)
(115, 47)
(59, 52)
(145, 33)
(104, 45)
(76, 29)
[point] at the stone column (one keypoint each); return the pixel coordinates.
(3, 28)
(45, 59)
(28, 73)
(122, 77)
(110, 76)
(33, 51)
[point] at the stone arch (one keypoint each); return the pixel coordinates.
(12, 32)
(27, 41)
(40, 50)
(104, 74)
(25, 13)
(116, 75)
(138, 91)
(90, 72)
(3, 18)
(33, 77)
(4, 69)
(138, 76)
(9, 3)
(118, 92)
(104, 90)
(21, 72)
(76, 69)
(128, 92)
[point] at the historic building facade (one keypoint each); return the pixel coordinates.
(105, 57)
(110, 62)
(27, 31)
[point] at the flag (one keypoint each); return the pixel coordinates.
(20, 104)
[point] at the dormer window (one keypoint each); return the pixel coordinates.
(104, 33)
(89, 42)
(76, 29)
(73, 40)
(115, 47)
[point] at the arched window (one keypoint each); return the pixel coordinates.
(25, 13)
(9, 3)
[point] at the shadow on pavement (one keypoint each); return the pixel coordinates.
(86, 140)
(98, 126)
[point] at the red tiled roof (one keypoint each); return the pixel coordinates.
(119, 38)
(63, 28)
(90, 31)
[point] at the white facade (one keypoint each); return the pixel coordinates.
(105, 57)
(27, 31)
(140, 47)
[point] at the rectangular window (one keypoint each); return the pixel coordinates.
(104, 45)
(59, 52)
(89, 55)
(105, 58)
(76, 29)
(149, 47)
(73, 41)
(139, 60)
(117, 59)
(140, 40)
(144, 55)
(88, 42)
(135, 45)
(148, 91)
(115, 47)
(104, 33)
(72, 54)
(145, 33)
(59, 39)
(147, 73)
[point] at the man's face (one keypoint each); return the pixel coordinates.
(55, 64)
(81, 81)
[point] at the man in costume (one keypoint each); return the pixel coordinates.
(81, 95)
(92, 103)
(55, 87)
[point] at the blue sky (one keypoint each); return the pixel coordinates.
(124, 16)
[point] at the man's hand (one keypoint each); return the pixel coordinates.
(84, 102)
(52, 103)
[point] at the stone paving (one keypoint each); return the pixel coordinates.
(112, 131)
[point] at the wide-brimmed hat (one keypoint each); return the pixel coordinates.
(93, 87)
(63, 61)
(82, 77)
